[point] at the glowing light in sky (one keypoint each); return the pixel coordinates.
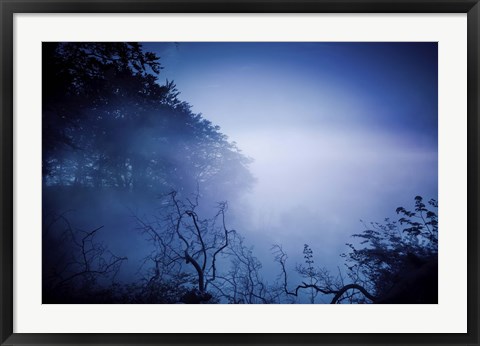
(337, 131)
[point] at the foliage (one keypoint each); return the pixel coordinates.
(109, 123)
(390, 248)
(391, 258)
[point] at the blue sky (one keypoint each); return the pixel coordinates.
(338, 131)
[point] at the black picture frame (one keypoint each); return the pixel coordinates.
(9, 7)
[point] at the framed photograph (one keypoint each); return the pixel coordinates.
(239, 172)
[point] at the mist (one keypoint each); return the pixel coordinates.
(307, 143)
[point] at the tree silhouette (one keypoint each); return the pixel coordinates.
(395, 262)
(109, 123)
(211, 258)
(112, 131)
(395, 249)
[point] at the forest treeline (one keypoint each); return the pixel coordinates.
(111, 128)
(109, 123)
